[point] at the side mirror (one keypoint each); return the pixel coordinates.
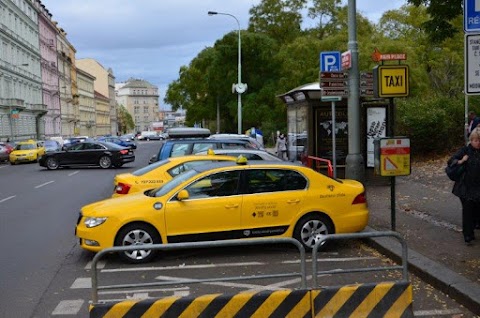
(152, 159)
(183, 195)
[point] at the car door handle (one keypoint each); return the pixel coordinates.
(294, 201)
(231, 206)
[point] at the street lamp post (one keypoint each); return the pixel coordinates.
(240, 87)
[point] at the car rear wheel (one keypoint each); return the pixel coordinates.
(137, 234)
(52, 163)
(310, 228)
(105, 162)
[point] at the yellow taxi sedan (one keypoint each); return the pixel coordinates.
(226, 200)
(26, 151)
(158, 173)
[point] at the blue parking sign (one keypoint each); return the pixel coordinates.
(471, 15)
(330, 61)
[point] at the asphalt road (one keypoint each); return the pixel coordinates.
(44, 272)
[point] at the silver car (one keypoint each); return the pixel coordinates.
(250, 154)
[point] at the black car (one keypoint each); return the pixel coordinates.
(88, 153)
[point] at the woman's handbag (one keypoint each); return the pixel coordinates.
(455, 171)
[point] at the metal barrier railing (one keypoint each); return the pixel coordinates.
(324, 238)
(207, 244)
(315, 164)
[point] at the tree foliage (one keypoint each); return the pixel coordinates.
(125, 120)
(280, 52)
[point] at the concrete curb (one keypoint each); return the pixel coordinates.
(463, 290)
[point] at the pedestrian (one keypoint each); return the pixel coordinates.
(473, 121)
(467, 188)
(281, 147)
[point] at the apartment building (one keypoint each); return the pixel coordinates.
(21, 105)
(140, 99)
(86, 98)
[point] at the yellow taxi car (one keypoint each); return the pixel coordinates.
(226, 200)
(156, 174)
(26, 151)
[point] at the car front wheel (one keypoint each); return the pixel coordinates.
(137, 234)
(105, 162)
(52, 163)
(310, 228)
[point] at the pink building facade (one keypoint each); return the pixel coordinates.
(50, 87)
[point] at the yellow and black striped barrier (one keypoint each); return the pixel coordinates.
(365, 300)
(284, 303)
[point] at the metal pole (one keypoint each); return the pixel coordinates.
(355, 168)
(239, 76)
(334, 146)
(218, 115)
(465, 133)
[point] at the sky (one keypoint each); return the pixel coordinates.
(152, 39)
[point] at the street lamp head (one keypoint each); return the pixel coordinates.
(212, 12)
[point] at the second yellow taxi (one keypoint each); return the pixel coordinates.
(26, 151)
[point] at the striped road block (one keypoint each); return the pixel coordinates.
(283, 303)
(364, 300)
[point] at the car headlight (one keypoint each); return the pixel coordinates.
(31, 153)
(92, 222)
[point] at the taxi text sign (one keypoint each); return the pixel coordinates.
(391, 81)
(394, 156)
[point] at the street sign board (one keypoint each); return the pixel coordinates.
(392, 156)
(472, 64)
(346, 60)
(471, 15)
(330, 61)
(390, 81)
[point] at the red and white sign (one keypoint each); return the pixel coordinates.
(346, 60)
(377, 56)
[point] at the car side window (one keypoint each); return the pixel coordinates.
(273, 180)
(199, 147)
(78, 146)
(175, 171)
(180, 150)
(232, 145)
(215, 185)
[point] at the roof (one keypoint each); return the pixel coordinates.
(137, 83)
(307, 91)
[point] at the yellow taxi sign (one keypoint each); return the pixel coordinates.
(242, 160)
(392, 156)
(210, 152)
(390, 81)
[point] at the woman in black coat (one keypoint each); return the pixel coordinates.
(467, 188)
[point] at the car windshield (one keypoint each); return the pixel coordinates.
(50, 144)
(141, 172)
(167, 187)
(24, 147)
(112, 146)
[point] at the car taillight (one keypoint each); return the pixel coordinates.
(124, 152)
(361, 198)
(122, 188)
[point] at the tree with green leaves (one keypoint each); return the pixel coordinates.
(125, 120)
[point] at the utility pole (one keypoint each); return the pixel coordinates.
(355, 167)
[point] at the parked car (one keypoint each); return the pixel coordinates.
(88, 153)
(250, 154)
(127, 137)
(8, 145)
(119, 141)
(52, 145)
(187, 146)
(226, 200)
(26, 151)
(255, 144)
(4, 153)
(149, 135)
(157, 174)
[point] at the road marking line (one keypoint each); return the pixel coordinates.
(73, 173)
(152, 290)
(180, 280)
(44, 184)
(3, 166)
(68, 307)
(341, 259)
(6, 199)
(100, 265)
(82, 282)
(115, 270)
(436, 312)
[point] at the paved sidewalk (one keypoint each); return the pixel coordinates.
(428, 216)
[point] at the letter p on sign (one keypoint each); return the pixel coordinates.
(330, 61)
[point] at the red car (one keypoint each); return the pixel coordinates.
(5, 150)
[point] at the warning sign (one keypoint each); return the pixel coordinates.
(394, 156)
